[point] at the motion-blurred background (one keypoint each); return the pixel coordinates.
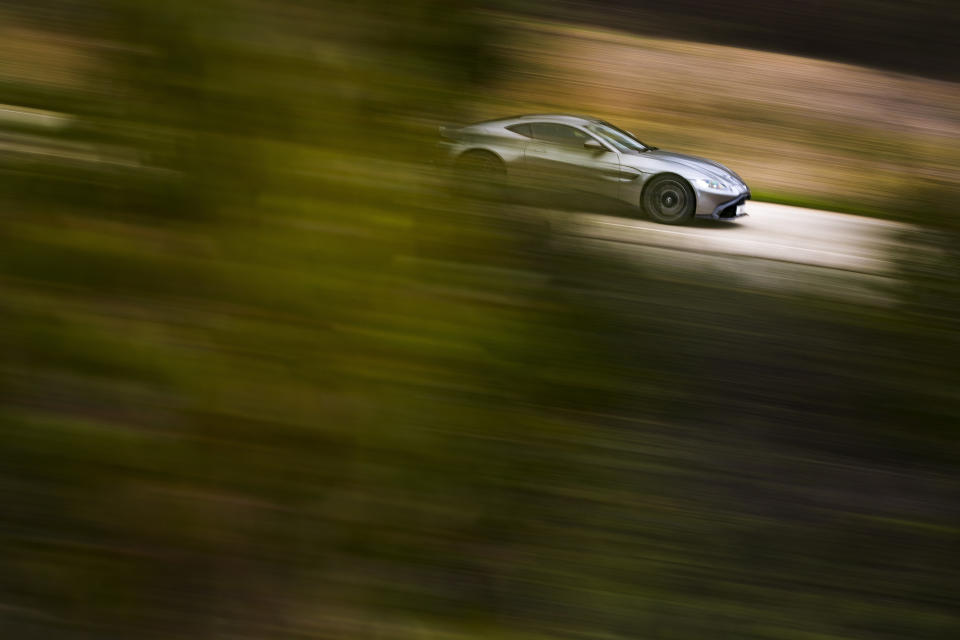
(265, 374)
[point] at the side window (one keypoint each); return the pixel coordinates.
(522, 129)
(559, 134)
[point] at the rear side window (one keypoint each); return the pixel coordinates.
(558, 133)
(522, 129)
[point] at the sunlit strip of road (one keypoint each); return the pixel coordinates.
(771, 232)
(776, 248)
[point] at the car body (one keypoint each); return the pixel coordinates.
(567, 152)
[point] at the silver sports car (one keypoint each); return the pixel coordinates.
(585, 154)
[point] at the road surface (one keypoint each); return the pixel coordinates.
(775, 246)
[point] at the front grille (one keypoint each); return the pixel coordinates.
(730, 211)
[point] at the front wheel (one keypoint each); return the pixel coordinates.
(669, 200)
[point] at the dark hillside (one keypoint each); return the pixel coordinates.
(911, 37)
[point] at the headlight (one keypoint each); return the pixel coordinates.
(707, 183)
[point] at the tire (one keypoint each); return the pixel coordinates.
(669, 199)
(481, 174)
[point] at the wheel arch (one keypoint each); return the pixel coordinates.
(482, 151)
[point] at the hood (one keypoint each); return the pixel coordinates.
(708, 168)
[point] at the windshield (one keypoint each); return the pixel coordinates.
(620, 139)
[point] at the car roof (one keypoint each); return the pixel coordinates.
(563, 118)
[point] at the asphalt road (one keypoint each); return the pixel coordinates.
(775, 247)
(771, 231)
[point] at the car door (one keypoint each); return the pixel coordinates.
(556, 158)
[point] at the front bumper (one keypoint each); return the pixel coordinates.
(721, 208)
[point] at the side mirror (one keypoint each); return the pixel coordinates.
(594, 145)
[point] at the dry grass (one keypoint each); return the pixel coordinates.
(33, 57)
